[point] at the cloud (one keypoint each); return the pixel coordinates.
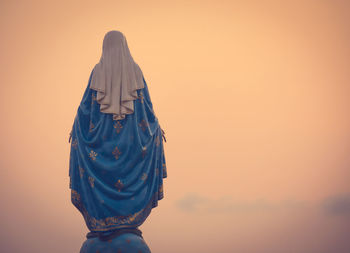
(191, 202)
(195, 202)
(337, 205)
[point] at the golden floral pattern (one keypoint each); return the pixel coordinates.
(119, 185)
(143, 125)
(93, 155)
(75, 143)
(81, 172)
(92, 181)
(118, 126)
(144, 176)
(116, 152)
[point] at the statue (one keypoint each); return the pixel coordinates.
(117, 162)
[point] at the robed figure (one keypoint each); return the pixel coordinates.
(117, 161)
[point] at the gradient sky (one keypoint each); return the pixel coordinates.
(254, 100)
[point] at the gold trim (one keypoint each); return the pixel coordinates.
(107, 223)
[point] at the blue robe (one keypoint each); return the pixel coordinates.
(116, 167)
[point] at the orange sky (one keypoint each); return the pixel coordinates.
(254, 100)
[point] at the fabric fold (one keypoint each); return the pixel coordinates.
(117, 77)
(116, 167)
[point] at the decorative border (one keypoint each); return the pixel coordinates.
(113, 222)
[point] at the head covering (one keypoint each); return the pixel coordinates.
(116, 77)
(116, 167)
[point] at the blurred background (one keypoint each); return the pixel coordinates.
(253, 97)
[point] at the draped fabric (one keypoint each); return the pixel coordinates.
(117, 77)
(116, 167)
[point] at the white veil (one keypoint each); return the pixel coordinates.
(116, 77)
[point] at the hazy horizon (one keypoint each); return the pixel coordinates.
(254, 100)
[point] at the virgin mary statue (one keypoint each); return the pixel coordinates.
(117, 161)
